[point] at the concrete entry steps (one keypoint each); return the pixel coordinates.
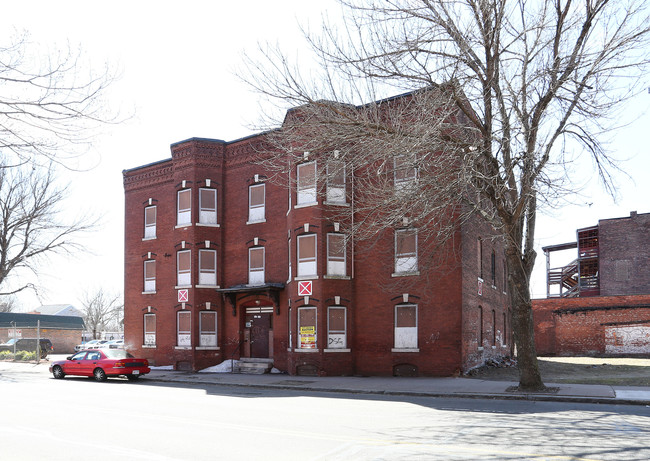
(253, 366)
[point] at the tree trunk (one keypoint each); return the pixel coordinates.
(523, 328)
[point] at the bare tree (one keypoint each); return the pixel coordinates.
(50, 106)
(527, 87)
(8, 304)
(32, 226)
(102, 310)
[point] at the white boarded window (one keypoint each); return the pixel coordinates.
(208, 328)
(184, 328)
(405, 173)
(307, 255)
(406, 251)
(207, 206)
(336, 182)
(307, 183)
(150, 276)
(184, 268)
(307, 337)
(184, 214)
(256, 266)
(208, 267)
(336, 327)
(406, 326)
(149, 329)
(150, 222)
(336, 254)
(256, 202)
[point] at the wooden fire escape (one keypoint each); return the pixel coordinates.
(580, 276)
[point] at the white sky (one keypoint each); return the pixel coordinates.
(177, 61)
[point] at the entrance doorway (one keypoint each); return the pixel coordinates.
(258, 331)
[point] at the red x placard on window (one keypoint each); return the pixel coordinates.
(304, 288)
(183, 296)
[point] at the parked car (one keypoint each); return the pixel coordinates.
(115, 344)
(28, 344)
(101, 364)
(92, 344)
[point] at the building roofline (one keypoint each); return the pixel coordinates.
(146, 165)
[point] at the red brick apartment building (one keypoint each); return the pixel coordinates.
(221, 263)
(599, 303)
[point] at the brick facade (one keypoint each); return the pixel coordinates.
(602, 325)
(459, 325)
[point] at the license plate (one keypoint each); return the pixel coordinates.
(136, 372)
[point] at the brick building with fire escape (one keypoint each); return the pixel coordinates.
(599, 303)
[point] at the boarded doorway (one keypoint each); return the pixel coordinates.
(258, 330)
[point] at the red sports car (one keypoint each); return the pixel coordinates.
(100, 364)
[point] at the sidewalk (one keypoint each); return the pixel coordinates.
(429, 387)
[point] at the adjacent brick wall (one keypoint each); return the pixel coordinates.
(605, 325)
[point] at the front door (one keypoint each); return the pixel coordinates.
(259, 326)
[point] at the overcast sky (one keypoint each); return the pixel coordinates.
(176, 61)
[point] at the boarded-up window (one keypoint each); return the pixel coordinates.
(208, 327)
(307, 328)
(336, 254)
(149, 276)
(336, 327)
(406, 254)
(149, 329)
(184, 268)
(150, 222)
(184, 332)
(307, 183)
(307, 255)
(207, 206)
(256, 202)
(184, 215)
(406, 323)
(256, 266)
(208, 267)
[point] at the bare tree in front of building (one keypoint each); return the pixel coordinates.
(33, 225)
(102, 311)
(516, 91)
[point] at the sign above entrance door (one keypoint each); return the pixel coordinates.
(305, 288)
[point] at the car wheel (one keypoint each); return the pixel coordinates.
(57, 371)
(132, 377)
(99, 374)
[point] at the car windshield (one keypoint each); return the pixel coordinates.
(11, 341)
(117, 354)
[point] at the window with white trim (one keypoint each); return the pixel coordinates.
(405, 172)
(184, 207)
(149, 329)
(306, 183)
(184, 268)
(207, 206)
(336, 255)
(307, 255)
(406, 326)
(335, 182)
(406, 251)
(208, 267)
(256, 266)
(150, 222)
(307, 336)
(336, 327)
(184, 329)
(256, 202)
(150, 276)
(208, 328)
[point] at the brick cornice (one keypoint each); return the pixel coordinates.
(144, 178)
